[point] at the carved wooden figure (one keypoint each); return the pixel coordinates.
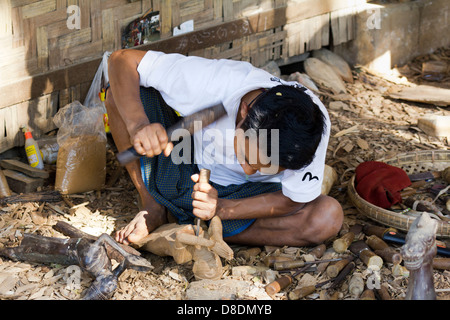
(418, 253)
(180, 242)
(90, 255)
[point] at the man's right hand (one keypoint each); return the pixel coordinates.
(151, 139)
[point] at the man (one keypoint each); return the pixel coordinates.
(261, 199)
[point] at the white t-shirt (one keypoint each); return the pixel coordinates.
(189, 84)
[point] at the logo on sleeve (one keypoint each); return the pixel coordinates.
(310, 176)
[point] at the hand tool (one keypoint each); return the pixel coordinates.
(362, 250)
(382, 249)
(341, 245)
(203, 178)
(391, 235)
(284, 281)
(284, 265)
(307, 290)
(342, 274)
(205, 116)
(334, 269)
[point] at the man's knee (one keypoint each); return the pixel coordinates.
(334, 214)
(326, 220)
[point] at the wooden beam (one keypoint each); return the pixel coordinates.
(201, 39)
(45, 83)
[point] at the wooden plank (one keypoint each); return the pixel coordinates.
(42, 47)
(108, 30)
(227, 10)
(46, 83)
(191, 7)
(51, 17)
(267, 20)
(20, 3)
(165, 16)
(424, 94)
(310, 8)
(185, 43)
(30, 37)
(218, 9)
(17, 27)
(75, 38)
(25, 168)
(85, 17)
(58, 29)
(82, 51)
(325, 29)
(61, 4)
(37, 8)
(5, 18)
(96, 19)
(21, 183)
(54, 54)
(176, 14)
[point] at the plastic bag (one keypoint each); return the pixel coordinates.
(81, 163)
(96, 94)
(99, 82)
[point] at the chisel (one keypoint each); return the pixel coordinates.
(391, 235)
(205, 117)
(203, 178)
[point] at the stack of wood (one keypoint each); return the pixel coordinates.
(21, 177)
(326, 71)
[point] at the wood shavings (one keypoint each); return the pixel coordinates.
(366, 125)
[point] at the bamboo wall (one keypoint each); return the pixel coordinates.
(44, 64)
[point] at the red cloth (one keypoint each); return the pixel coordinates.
(380, 183)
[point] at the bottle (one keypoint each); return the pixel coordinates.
(33, 152)
(50, 153)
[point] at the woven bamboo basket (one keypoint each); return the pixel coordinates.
(412, 162)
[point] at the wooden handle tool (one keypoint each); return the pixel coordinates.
(283, 282)
(369, 258)
(286, 265)
(188, 123)
(203, 178)
(341, 245)
(382, 249)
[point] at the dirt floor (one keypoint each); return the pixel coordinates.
(366, 125)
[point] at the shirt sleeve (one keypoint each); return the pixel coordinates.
(305, 185)
(302, 185)
(190, 83)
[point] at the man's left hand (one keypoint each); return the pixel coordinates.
(205, 199)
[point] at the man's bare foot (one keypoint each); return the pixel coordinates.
(145, 222)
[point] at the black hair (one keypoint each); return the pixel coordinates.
(300, 121)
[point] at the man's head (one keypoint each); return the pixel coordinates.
(299, 121)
